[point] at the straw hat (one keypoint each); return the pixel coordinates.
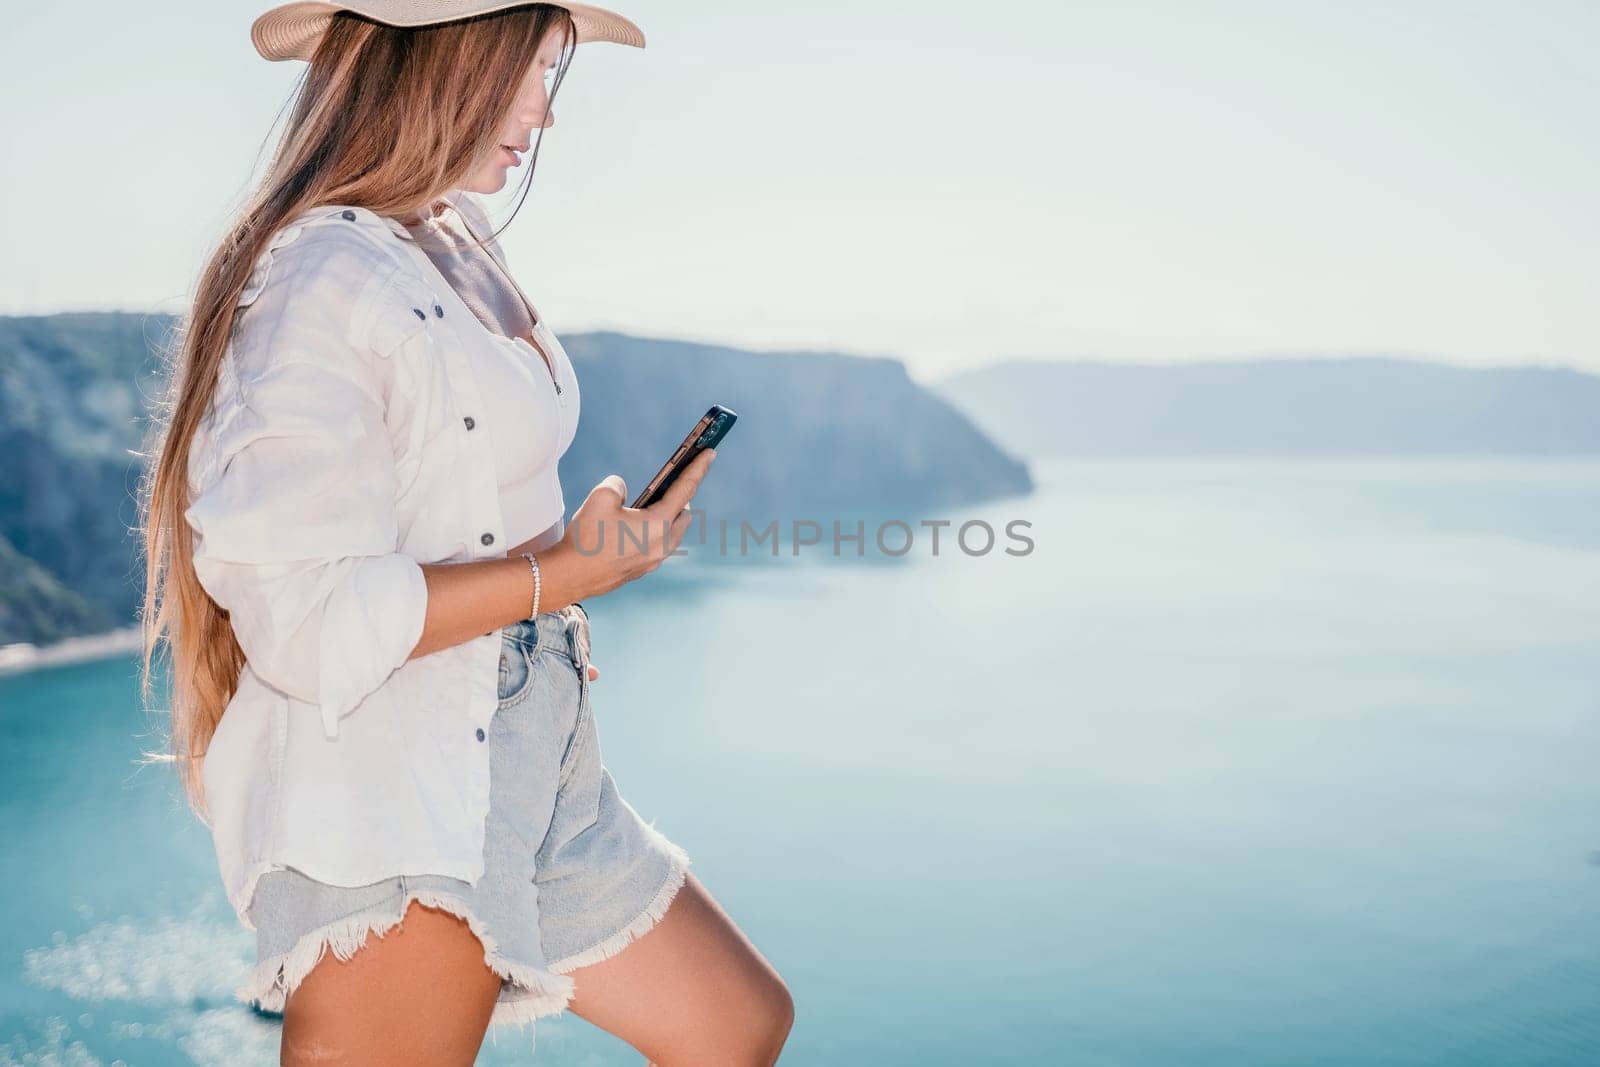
(292, 31)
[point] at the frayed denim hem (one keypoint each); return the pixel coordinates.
(677, 871)
(529, 993)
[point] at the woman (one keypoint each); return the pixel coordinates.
(357, 553)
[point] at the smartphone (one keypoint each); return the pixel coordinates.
(707, 433)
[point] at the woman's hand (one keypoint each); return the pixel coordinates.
(607, 544)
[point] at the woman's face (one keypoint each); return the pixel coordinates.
(527, 113)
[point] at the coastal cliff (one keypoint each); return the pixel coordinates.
(820, 435)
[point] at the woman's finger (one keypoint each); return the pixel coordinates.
(594, 673)
(679, 493)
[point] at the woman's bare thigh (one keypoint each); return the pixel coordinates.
(421, 993)
(692, 990)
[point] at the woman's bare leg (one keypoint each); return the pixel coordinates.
(421, 993)
(691, 990)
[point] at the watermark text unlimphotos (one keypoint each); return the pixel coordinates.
(889, 537)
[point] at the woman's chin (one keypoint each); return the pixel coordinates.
(489, 180)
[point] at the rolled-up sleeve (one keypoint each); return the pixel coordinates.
(295, 531)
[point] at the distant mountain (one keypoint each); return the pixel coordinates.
(817, 432)
(74, 391)
(820, 435)
(1280, 407)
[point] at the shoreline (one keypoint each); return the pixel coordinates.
(23, 656)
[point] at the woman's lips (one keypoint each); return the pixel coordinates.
(512, 159)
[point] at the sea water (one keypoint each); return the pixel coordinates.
(1247, 761)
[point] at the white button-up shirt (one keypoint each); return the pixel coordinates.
(346, 447)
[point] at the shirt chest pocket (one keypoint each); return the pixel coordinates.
(423, 414)
(424, 424)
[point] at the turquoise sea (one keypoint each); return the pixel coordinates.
(1248, 762)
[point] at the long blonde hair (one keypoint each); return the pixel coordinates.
(387, 118)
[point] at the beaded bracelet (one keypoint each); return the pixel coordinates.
(534, 614)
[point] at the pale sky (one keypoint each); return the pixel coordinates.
(947, 184)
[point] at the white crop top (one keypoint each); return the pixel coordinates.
(530, 423)
(530, 427)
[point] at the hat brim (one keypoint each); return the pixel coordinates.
(292, 31)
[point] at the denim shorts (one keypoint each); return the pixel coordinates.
(572, 873)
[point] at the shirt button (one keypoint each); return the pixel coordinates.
(421, 314)
(470, 423)
(439, 311)
(480, 733)
(349, 216)
(487, 538)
